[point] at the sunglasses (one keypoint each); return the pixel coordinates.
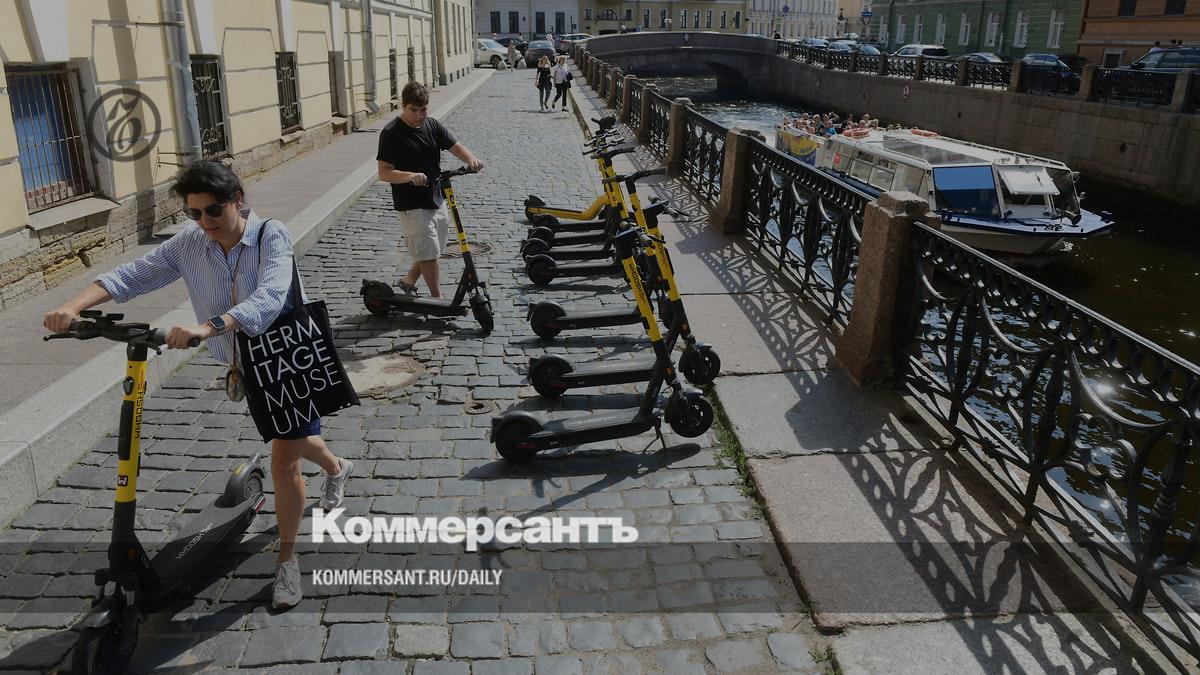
(214, 210)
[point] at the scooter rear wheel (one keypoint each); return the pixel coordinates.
(99, 650)
(545, 374)
(544, 233)
(533, 247)
(541, 270)
(375, 295)
(700, 367)
(545, 220)
(513, 433)
(481, 308)
(693, 420)
(544, 320)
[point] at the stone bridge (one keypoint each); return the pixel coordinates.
(740, 62)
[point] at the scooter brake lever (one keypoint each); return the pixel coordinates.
(62, 336)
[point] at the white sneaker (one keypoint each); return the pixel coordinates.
(285, 594)
(335, 486)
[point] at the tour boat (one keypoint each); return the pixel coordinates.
(987, 198)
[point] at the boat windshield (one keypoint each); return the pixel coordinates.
(967, 189)
(1067, 200)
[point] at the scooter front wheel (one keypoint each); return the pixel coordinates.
(481, 308)
(693, 420)
(545, 320)
(375, 295)
(544, 233)
(512, 436)
(533, 247)
(541, 269)
(700, 366)
(106, 649)
(545, 220)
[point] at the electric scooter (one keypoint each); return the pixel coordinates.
(544, 221)
(551, 375)
(519, 435)
(535, 206)
(543, 268)
(381, 300)
(140, 584)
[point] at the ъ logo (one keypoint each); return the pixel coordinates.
(122, 480)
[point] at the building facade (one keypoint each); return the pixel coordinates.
(604, 17)
(1116, 32)
(517, 18)
(793, 19)
(1011, 28)
(95, 120)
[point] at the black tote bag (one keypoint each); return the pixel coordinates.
(291, 372)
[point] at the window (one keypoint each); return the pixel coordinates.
(495, 22)
(737, 19)
(206, 83)
(587, 14)
(334, 102)
(539, 22)
(683, 19)
(968, 189)
(883, 32)
(1175, 7)
(1127, 8)
(696, 19)
(51, 147)
(724, 19)
(1058, 19)
(1021, 34)
(918, 28)
(708, 18)
(939, 32)
(285, 83)
(993, 27)
(392, 73)
(629, 14)
(662, 18)
(900, 28)
(560, 23)
(1112, 59)
(645, 18)
(514, 21)
(964, 30)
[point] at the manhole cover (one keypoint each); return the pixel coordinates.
(473, 407)
(477, 248)
(378, 376)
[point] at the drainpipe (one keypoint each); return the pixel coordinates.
(369, 58)
(179, 69)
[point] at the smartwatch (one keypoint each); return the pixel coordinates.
(218, 324)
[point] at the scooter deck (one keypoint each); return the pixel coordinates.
(580, 225)
(407, 304)
(598, 318)
(577, 238)
(592, 428)
(601, 373)
(580, 253)
(589, 269)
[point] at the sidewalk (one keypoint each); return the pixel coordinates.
(59, 399)
(900, 548)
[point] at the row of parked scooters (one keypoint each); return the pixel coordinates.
(564, 244)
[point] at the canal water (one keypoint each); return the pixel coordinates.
(1143, 274)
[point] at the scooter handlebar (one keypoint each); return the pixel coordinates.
(94, 325)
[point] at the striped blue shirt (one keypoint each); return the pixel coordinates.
(262, 277)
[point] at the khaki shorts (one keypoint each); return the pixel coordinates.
(425, 232)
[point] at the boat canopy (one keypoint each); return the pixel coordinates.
(1027, 180)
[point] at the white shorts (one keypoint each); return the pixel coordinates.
(425, 232)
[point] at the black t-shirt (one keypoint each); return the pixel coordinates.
(418, 150)
(543, 77)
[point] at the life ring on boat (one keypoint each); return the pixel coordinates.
(926, 134)
(856, 133)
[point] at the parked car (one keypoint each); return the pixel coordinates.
(1054, 64)
(869, 50)
(1170, 60)
(536, 50)
(984, 57)
(521, 44)
(841, 47)
(937, 51)
(1074, 61)
(813, 42)
(564, 43)
(490, 52)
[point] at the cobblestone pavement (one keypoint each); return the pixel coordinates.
(703, 590)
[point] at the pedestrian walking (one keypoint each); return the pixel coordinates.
(542, 79)
(562, 82)
(238, 269)
(512, 54)
(409, 157)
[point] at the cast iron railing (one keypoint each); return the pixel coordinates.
(941, 70)
(902, 66)
(635, 103)
(1092, 428)
(839, 61)
(981, 74)
(1048, 80)
(1194, 104)
(867, 63)
(808, 223)
(820, 57)
(660, 123)
(620, 89)
(703, 155)
(1134, 87)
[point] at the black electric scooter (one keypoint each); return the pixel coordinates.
(381, 300)
(519, 435)
(548, 226)
(552, 375)
(543, 268)
(535, 206)
(109, 633)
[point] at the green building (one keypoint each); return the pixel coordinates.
(1011, 28)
